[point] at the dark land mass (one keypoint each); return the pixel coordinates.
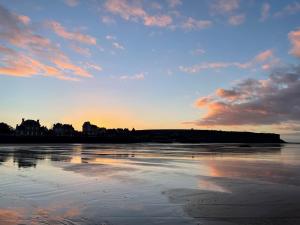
(31, 131)
(138, 136)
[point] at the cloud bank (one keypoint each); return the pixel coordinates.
(275, 100)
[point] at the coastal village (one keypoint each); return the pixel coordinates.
(34, 128)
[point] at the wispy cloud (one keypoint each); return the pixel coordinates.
(80, 50)
(65, 64)
(265, 59)
(69, 35)
(71, 3)
(225, 6)
(289, 9)
(193, 24)
(228, 9)
(107, 20)
(110, 37)
(94, 66)
(118, 45)
(156, 6)
(198, 51)
(174, 3)
(138, 76)
(134, 11)
(265, 11)
(236, 20)
(114, 42)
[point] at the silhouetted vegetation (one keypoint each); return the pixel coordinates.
(31, 131)
(5, 129)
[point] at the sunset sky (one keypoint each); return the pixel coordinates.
(204, 64)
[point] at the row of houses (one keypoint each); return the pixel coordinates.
(34, 128)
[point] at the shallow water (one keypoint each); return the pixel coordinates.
(150, 184)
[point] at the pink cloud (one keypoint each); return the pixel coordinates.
(24, 19)
(266, 60)
(125, 10)
(160, 21)
(72, 3)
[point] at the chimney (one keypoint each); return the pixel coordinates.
(23, 120)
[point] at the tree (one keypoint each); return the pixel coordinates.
(5, 129)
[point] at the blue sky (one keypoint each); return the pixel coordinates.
(151, 64)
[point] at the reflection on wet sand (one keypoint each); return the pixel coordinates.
(149, 184)
(236, 201)
(35, 216)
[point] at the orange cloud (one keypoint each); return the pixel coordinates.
(74, 36)
(23, 66)
(294, 37)
(64, 64)
(82, 51)
(227, 94)
(34, 54)
(201, 102)
(263, 56)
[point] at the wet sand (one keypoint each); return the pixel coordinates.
(150, 184)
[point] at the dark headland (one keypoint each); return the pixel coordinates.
(31, 131)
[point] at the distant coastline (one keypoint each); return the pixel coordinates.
(31, 131)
